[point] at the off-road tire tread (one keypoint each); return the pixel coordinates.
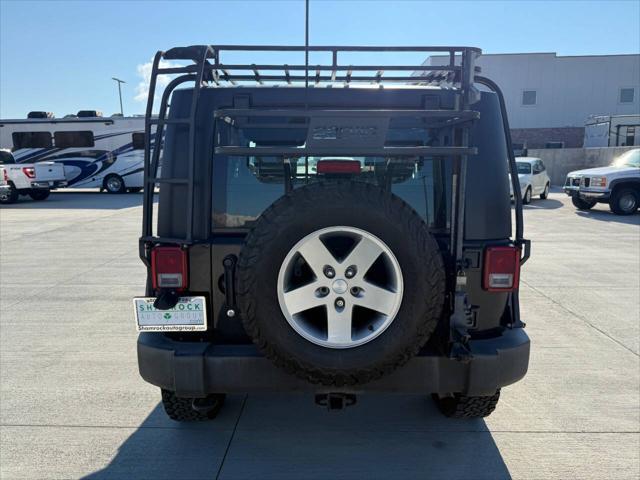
(267, 229)
(180, 409)
(469, 406)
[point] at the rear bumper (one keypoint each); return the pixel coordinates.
(197, 369)
(51, 184)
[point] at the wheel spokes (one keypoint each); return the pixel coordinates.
(316, 255)
(303, 298)
(363, 255)
(339, 324)
(377, 299)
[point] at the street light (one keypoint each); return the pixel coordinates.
(120, 82)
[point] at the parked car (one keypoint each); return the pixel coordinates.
(533, 178)
(36, 180)
(618, 185)
(309, 239)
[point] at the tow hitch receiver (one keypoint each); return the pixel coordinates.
(335, 401)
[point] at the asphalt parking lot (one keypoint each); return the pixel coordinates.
(73, 406)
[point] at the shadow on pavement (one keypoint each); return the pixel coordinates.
(87, 200)
(547, 204)
(287, 437)
(609, 216)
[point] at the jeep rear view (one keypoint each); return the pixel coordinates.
(334, 229)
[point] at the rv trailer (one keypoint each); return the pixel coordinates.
(97, 152)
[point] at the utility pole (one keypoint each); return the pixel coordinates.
(120, 82)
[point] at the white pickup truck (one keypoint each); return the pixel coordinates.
(33, 179)
(618, 185)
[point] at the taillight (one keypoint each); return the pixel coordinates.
(169, 268)
(29, 172)
(5, 175)
(338, 166)
(501, 269)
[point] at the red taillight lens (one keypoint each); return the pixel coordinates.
(169, 268)
(501, 269)
(338, 166)
(5, 175)
(29, 172)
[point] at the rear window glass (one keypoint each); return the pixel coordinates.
(246, 186)
(523, 167)
(74, 139)
(31, 140)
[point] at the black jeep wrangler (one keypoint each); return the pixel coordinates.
(323, 230)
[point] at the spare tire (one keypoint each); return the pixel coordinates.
(340, 283)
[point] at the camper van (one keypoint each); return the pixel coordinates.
(96, 151)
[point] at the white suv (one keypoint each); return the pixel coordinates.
(618, 185)
(533, 178)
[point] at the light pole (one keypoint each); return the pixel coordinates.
(120, 82)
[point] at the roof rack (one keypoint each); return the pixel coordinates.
(230, 73)
(205, 66)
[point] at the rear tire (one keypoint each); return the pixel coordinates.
(545, 194)
(624, 201)
(181, 409)
(40, 194)
(8, 196)
(582, 204)
(114, 184)
(464, 406)
(526, 199)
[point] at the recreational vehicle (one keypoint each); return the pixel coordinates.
(97, 152)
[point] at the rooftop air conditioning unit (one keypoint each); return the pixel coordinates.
(40, 115)
(89, 113)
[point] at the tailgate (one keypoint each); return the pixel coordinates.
(49, 171)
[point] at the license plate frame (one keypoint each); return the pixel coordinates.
(188, 315)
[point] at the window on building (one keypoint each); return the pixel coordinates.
(529, 97)
(137, 139)
(630, 137)
(74, 139)
(31, 140)
(627, 95)
(554, 145)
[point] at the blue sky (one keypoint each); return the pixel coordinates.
(60, 56)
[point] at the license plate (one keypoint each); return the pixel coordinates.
(189, 315)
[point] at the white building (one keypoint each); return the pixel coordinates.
(549, 97)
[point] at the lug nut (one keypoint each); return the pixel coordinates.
(231, 313)
(355, 291)
(339, 303)
(323, 291)
(350, 272)
(329, 272)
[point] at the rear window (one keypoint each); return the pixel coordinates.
(246, 186)
(523, 167)
(31, 140)
(74, 139)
